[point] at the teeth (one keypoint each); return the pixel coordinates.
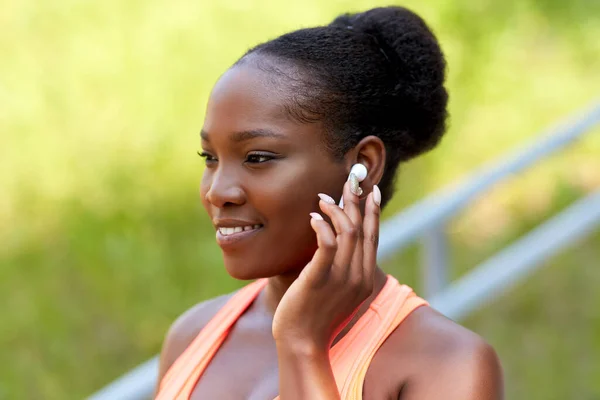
(225, 231)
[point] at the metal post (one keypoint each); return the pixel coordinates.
(434, 253)
(516, 262)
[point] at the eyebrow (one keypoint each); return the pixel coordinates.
(243, 136)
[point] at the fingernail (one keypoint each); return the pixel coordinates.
(326, 198)
(354, 185)
(376, 195)
(316, 216)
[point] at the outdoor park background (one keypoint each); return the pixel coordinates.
(104, 241)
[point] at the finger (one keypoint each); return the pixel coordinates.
(320, 265)
(338, 217)
(347, 235)
(351, 205)
(352, 209)
(371, 232)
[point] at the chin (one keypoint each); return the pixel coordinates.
(244, 270)
(251, 265)
(243, 274)
(247, 271)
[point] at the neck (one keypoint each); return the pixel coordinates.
(278, 285)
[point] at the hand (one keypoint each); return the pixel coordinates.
(338, 279)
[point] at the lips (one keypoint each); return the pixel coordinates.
(227, 231)
(231, 237)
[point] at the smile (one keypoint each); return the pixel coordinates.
(231, 237)
(228, 231)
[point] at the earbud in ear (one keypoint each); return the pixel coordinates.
(360, 171)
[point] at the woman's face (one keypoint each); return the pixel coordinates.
(263, 173)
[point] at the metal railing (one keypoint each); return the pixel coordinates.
(427, 220)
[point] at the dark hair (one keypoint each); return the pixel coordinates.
(380, 72)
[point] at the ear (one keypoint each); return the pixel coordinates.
(370, 152)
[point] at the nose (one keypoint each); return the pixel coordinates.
(223, 189)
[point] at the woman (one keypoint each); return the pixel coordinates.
(283, 128)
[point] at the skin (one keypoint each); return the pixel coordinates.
(321, 272)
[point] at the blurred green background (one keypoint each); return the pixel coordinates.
(104, 241)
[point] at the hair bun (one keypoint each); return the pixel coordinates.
(380, 72)
(404, 38)
(417, 67)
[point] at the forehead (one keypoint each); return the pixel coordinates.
(247, 98)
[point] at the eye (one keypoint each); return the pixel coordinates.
(259, 158)
(207, 157)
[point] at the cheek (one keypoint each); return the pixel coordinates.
(294, 206)
(287, 202)
(291, 194)
(291, 238)
(203, 189)
(290, 202)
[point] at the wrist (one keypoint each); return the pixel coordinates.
(301, 348)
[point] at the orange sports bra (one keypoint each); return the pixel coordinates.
(350, 356)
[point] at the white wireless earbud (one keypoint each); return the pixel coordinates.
(360, 171)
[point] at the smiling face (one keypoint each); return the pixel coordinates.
(263, 173)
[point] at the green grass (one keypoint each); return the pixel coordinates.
(104, 241)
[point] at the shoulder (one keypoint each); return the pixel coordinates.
(446, 359)
(185, 328)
